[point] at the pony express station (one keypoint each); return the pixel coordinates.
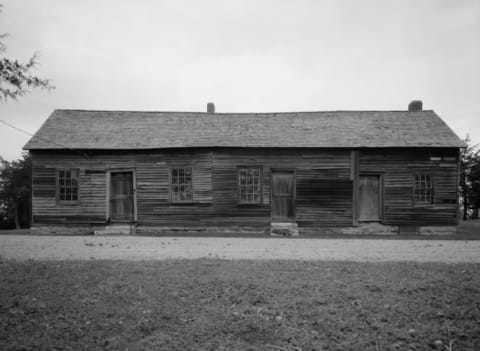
(385, 172)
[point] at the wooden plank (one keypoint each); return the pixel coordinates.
(354, 174)
(369, 198)
(283, 192)
(121, 196)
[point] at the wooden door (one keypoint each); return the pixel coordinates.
(283, 196)
(369, 204)
(121, 197)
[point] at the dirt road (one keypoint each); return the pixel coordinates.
(24, 247)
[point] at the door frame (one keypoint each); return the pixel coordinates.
(107, 192)
(294, 197)
(381, 194)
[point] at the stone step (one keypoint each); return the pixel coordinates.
(116, 229)
(284, 228)
(284, 224)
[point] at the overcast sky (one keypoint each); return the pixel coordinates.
(246, 56)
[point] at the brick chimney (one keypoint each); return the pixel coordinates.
(415, 105)
(210, 107)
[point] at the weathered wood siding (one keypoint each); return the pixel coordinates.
(398, 168)
(319, 174)
(152, 192)
(45, 209)
(152, 171)
(324, 185)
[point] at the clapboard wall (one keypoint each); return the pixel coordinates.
(398, 168)
(316, 173)
(324, 185)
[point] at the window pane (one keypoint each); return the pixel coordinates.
(181, 184)
(68, 185)
(188, 177)
(249, 186)
(423, 191)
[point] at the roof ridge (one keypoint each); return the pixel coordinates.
(240, 113)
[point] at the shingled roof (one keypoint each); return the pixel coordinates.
(126, 130)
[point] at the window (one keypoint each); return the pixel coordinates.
(181, 184)
(249, 185)
(67, 185)
(423, 193)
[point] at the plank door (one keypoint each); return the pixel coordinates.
(121, 197)
(369, 204)
(283, 196)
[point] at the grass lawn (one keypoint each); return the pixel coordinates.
(238, 305)
(469, 229)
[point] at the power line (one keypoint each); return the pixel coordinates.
(12, 126)
(48, 141)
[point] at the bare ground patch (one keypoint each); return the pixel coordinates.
(135, 248)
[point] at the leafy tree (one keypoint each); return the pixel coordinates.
(474, 195)
(15, 76)
(15, 190)
(470, 179)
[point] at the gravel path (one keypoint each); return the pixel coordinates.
(23, 247)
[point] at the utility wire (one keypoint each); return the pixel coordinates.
(48, 141)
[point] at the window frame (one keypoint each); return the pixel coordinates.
(170, 185)
(432, 189)
(58, 186)
(246, 202)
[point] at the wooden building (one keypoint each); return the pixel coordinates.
(340, 171)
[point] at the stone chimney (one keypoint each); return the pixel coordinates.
(415, 105)
(210, 107)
